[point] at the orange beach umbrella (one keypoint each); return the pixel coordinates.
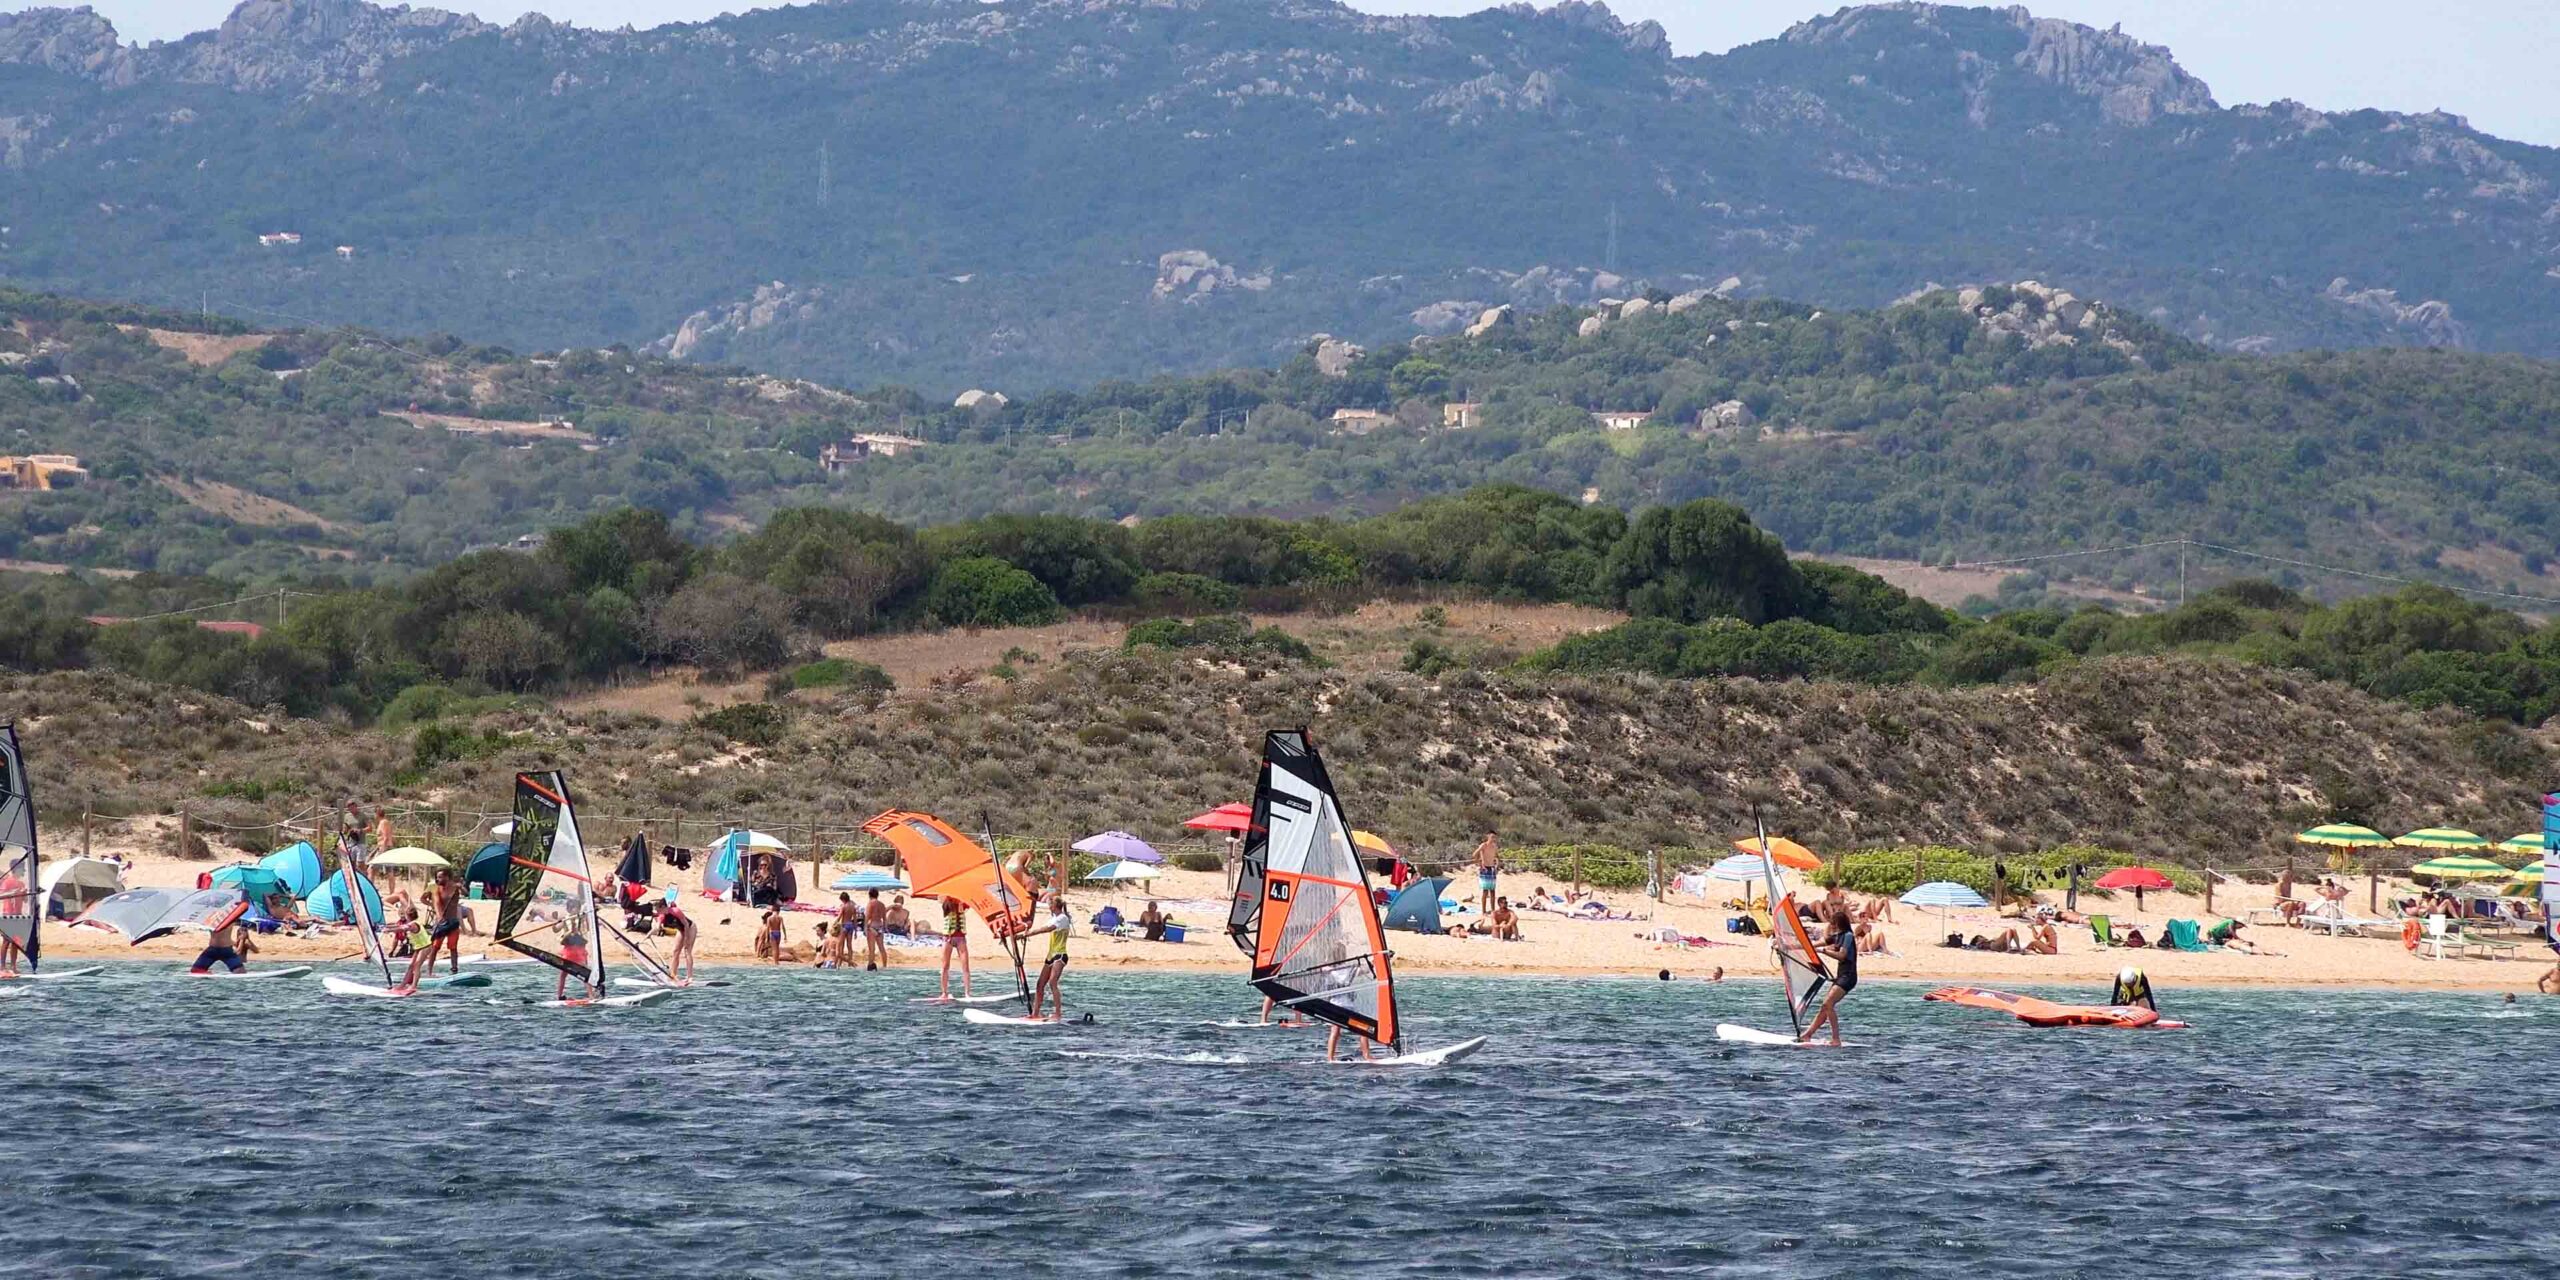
(1786, 853)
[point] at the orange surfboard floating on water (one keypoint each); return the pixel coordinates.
(2045, 1013)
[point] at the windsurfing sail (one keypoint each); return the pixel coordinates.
(21, 898)
(1318, 946)
(352, 887)
(2551, 870)
(1244, 913)
(549, 909)
(1798, 962)
(942, 863)
(143, 914)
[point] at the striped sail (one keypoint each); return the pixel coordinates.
(1798, 962)
(549, 909)
(21, 894)
(1318, 944)
(2551, 869)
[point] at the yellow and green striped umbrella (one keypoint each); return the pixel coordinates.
(2343, 835)
(2460, 867)
(2529, 842)
(2529, 874)
(2442, 838)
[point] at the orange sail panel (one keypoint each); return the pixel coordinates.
(1318, 944)
(942, 863)
(2045, 1013)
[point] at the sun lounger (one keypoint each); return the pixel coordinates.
(2436, 937)
(2488, 948)
(2103, 929)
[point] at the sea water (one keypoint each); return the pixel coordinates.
(801, 1123)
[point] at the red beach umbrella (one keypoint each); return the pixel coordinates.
(2134, 878)
(1226, 817)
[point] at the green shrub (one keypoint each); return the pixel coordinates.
(1200, 861)
(1889, 872)
(756, 724)
(842, 673)
(1184, 593)
(1232, 635)
(981, 591)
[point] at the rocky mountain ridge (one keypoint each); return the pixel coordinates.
(1215, 179)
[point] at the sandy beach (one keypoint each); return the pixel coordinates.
(1557, 945)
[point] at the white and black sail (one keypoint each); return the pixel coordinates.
(549, 909)
(1316, 941)
(21, 891)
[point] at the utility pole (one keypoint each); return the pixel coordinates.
(826, 174)
(1609, 257)
(2182, 571)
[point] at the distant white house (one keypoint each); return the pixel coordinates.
(1620, 419)
(834, 458)
(1461, 415)
(346, 252)
(1359, 422)
(274, 239)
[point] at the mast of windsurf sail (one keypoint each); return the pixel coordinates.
(2551, 870)
(21, 889)
(1019, 910)
(546, 856)
(1318, 944)
(1798, 962)
(352, 884)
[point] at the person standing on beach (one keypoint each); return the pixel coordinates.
(1053, 970)
(955, 941)
(848, 922)
(769, 937)
(1488, 863)
(875, 926)
(1840, 942)
(680, 960)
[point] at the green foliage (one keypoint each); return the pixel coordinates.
(754, 724)
(844, 572)
(1079, 561)
(1232, 635)
(982, 591)
(1198, 862)
(1705, 559)
(842, 673)
(441, 743)
(1893, 871)
(1184, 593)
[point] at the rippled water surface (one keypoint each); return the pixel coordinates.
(819, 1123)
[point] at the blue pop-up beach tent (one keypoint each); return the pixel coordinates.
(328, 901)
(1416, 907)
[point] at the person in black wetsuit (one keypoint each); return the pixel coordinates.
(1840, 943)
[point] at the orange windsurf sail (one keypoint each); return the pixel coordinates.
(942, 863)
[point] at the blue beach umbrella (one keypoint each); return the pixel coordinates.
(869, 878)
(1944, 893)
(1119, 846)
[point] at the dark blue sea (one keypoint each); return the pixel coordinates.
(818, 1124)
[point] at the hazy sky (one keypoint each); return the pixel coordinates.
(2491, 60)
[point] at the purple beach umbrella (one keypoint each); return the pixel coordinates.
(1120, 845)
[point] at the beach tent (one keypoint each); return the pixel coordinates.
(74, 885)
(297, 865)
(488, 869)
(328, 903)
(255, 881)
(1416, 907)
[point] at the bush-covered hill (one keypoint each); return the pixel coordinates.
(1038, 194)
(2182, 759)
(1955, 425)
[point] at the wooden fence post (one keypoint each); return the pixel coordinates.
(1656, 855)
(2208, 890)
(2372, 890)
(186, 833)
(86, 809)
(1577, 871)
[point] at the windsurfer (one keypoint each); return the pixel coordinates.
(1333, 1043)
(1053, 970)
(573, 949)
(1840, 942)
(229, 947)
(955, 942)
(446, 933)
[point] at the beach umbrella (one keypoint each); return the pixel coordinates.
(74, 885)
(2441, 838)
(867, 879)
(1124, 871)
(2343, 835)
(488, 868)
(2137, 879)
(2460, 867)
(1785, 852)
(408, 855)
(2529, 874)
(1944, 894)
(1120, 846)
(2533, 842)
(740, 841)
(504, 828)
(1226, 817)
(2470, 889)
(1374, 843)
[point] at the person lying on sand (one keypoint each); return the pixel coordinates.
(2006, 943)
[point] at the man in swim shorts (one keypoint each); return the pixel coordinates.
(1052, 970)
(227, 947)
(1488, 861)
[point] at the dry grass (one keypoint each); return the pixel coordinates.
(202, 349)
(495, 427)
(243, 507)
(2184, 760)
(1951, 587)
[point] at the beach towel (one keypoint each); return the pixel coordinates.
(2184, 937)
(2103, 929)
